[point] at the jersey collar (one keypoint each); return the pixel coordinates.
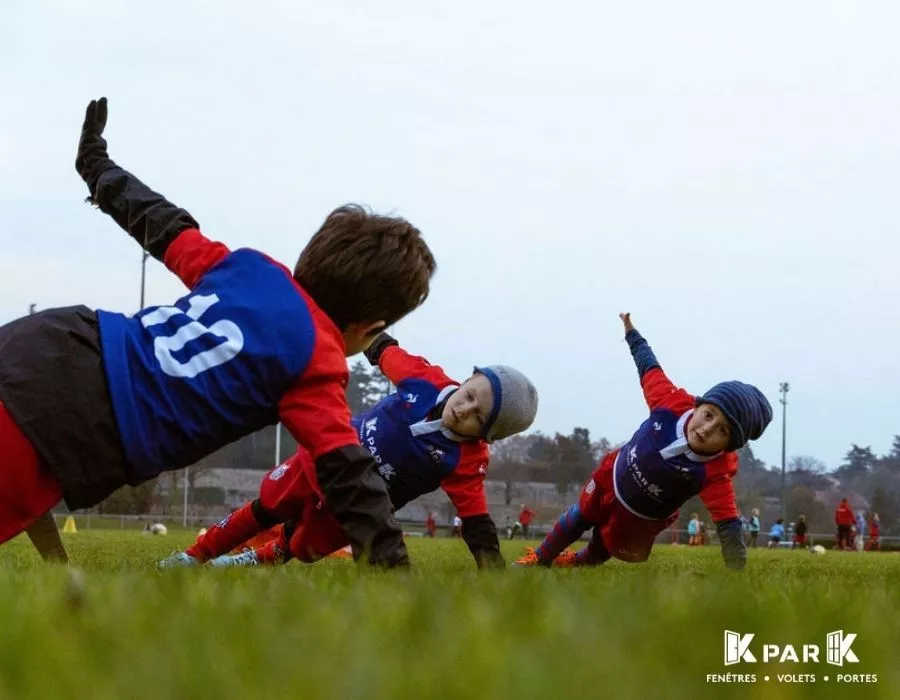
(680, 445)
(425, 426)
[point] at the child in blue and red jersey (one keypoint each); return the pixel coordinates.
(432, 433)
(685, 448)
(95, 400)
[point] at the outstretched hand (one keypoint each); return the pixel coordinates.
(626, 321)
(92, 146)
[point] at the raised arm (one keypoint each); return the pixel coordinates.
(148, 217)
(401, 367)
(643, 355)
(659, 391)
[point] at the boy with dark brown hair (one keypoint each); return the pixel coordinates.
(93, 400)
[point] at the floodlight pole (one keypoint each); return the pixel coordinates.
(278, 444)
(144, 256)
(783, 389)
(187, 487)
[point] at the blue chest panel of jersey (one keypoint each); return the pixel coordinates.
(411, 463)
(649, 483)
(189, 378)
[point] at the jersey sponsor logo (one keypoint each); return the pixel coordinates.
(279, 471)
(386, 471)
(368, 439)
(643, 482)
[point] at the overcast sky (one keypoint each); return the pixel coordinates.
(725, 171)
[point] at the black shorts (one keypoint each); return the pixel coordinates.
(53, 384)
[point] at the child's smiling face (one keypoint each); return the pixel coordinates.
(708, 431)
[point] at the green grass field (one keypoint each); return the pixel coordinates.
(442, 631)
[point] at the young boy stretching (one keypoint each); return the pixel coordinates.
(93, 400)
(432, 433)
(686, 447)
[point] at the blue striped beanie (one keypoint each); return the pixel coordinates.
(748, 411)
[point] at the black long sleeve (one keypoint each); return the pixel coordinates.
(480, 534)
(147, 216)
(378, 346)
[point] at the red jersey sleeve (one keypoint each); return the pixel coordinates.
(191, 255)
(660, 392)
(399, 366)
(465, 486)
(315, 409)
(717, 493)
(317, 415)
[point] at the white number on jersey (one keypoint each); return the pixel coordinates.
(165, 345)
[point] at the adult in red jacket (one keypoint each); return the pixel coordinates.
(845, 520)
(523, 523)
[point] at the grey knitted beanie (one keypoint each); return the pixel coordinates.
(515, 402)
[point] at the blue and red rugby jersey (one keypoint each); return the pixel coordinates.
(246, 347)
(414, 452)
(655, 472)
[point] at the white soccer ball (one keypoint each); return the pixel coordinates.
(817, 549)
(158, 529)
(201, 532)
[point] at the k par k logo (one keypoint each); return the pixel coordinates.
(737, 648)
(837, 650)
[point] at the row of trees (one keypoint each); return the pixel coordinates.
(872, 482)
(567, 460)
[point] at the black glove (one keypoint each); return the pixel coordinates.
(480, 534)
(359, 499)
(92, 159)
(731, 537)
(148, 217)
(378, 346)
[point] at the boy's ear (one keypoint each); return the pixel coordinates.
(366, 329)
